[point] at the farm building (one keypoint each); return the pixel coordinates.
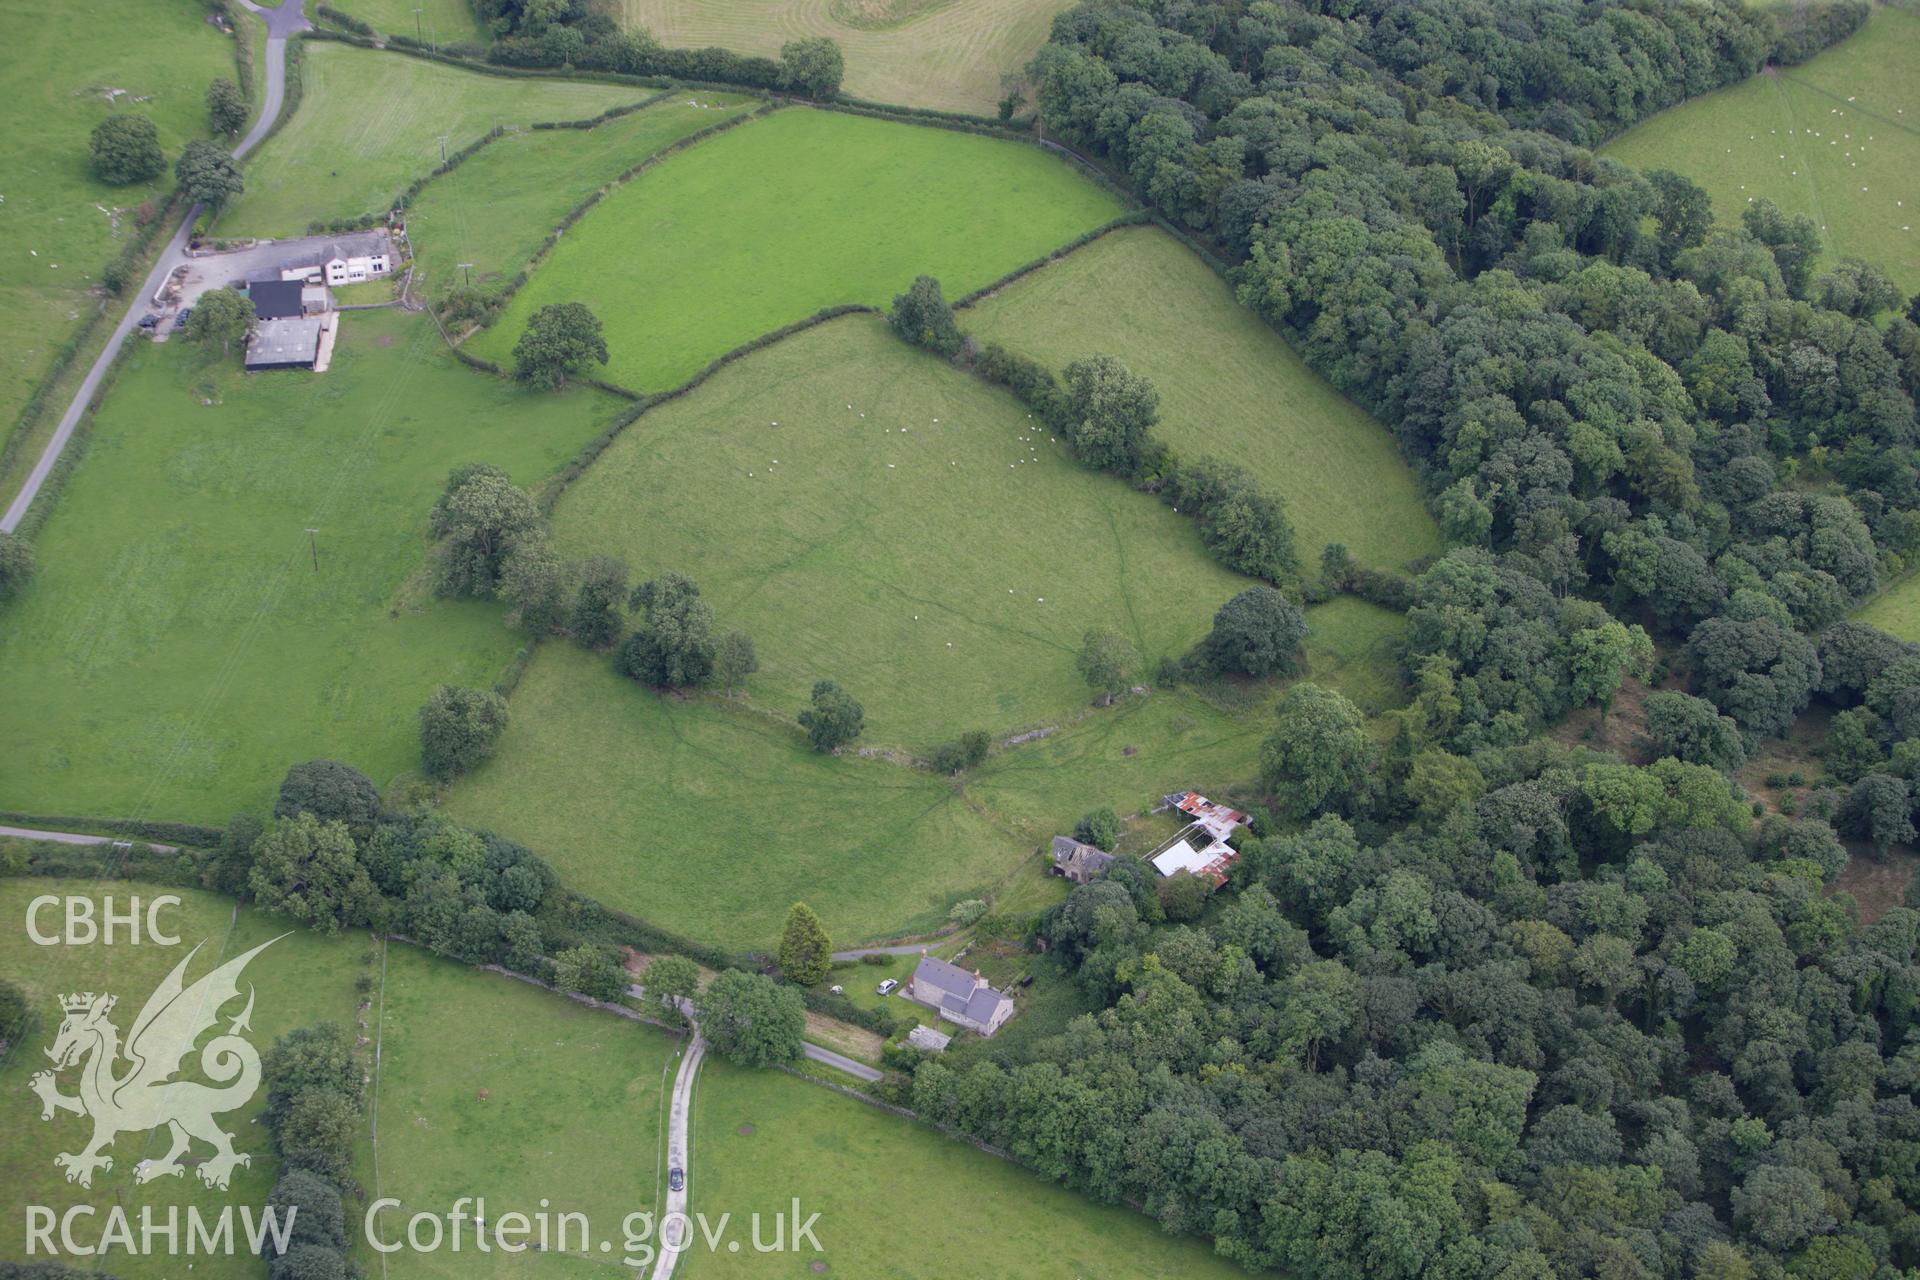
(291, 342)
(1201, 846)
(1079, 862)
(960, 997)
(926, 1038)
(276, 299)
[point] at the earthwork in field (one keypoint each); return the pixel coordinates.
(1837, 139)
(495, 210)
(371, 122)
(766, 223)
(1228, 387)
(957, 55)
(180, 650)
(550, 1099)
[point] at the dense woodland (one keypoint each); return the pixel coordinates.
(1486, 1005)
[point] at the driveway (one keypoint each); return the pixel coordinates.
(281, 23)
(69, 837)
(679, 1156)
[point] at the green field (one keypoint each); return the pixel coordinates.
(178, 650)
(1837, 139)
(59, 223)
(1228, 387)
(496, 209)
(938, 556)
(836, 209)
(299, 980)
(710, 819)
(371, 122)
(444, 21)
(858, 1167)
(1896, 610)
(571, 1110)
(952, 54)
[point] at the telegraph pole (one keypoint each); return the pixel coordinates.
(468, 268)
(314, 546)
(418, 35)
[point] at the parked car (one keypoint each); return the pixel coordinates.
(180, 321)
(149, 320)
(886, 988)
(676, 1179)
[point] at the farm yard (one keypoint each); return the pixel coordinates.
(835, 209)
(956, 55)
(1228, 386)
(906, 529)
(708, 819)
(300, 979)
(61, 224)
(1836, 139)
(179, 652)
(762, 1138)
(495, 210)
(371, 122)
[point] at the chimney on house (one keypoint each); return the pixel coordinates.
(978, 981)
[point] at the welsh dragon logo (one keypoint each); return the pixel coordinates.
(144, 1096)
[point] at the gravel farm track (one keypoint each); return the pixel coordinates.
(949, 54)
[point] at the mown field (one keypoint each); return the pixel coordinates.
(299, 980)
(178, 650)
(956, 55)
(906, 529)
(59, 223)
(371, 122)
(836, 209)
(761, 1139)
(1837, 139)
(1896, 610)
(710, 820)
(496, 209)
(1228, 387)
(492, 1088)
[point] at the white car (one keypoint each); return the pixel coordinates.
(886, 988)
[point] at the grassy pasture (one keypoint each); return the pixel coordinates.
(926, 546)
(837, 209)
(1837, 139)
(1229, 386)
(178, 650)
(443, 20)
(59, 223)
(710, 819)
(571, 1112)
(951, 54)
(496, 209)
(1896, 610)
(299, 980)
(854, 1165)
(371, 122)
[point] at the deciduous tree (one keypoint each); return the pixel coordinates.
(751, 1020)
(458, 729)
(834, 719)
(125, 148)
(560, 339)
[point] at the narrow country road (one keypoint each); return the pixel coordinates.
(841, 1062)
(676, 1227)
(73, 837)
(281, 23)
(901, 949)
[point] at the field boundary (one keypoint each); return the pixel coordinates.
(579, 211)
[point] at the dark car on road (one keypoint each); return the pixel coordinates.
(676, 1179)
